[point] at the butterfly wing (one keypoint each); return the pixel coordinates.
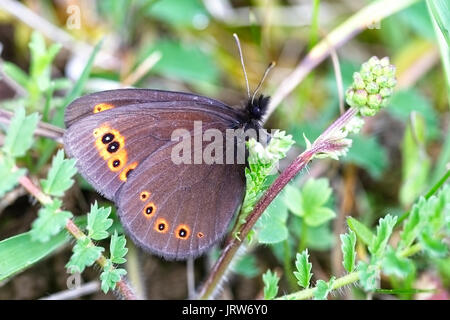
(179, 211)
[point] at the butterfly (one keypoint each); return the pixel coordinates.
(122, 141)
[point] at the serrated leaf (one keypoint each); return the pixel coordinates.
(110, 276)
(319, 216)
(384, 231)
(323, 289)
(363, 233)
(292, 197)
(8, 177)
(98, 222)
(303, 273)
(369, 276)
(84, 255)
(433, 246)
(19, 136)
(270, 280)
(411, 227)
(59, 178)
(392, 264)
(51, 219)
(348, 250)
(117, 248)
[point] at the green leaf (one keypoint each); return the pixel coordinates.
(384, 231)
(416, 163)
(303, 273)
(392, 264)
(19, 136)
(315, 193)
(183, 61)
(348, 250)
(369, 275)
(16, 73)
(412, 226)
(319, 216)
(84, 255)
(271, 225)
(117, 248)
(189, 13)
(246, 266)
(433, 246)
(51, 219)
(20, 252)
(323, 289)
(8, 176)
(363, 233)
(110, 276)
(59, 177)
(293, 199)
(270, 280)
(98, 222)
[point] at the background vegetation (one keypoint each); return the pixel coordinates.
(391, 182)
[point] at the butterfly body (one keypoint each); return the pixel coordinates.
(123, 143)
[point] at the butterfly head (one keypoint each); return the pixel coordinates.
(257, 107)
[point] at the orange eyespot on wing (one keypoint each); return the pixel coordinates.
(118, 161)
(102, 107)
(183, 232)
(126, 172)
(149, 210)
(200, 235)
(108, 141)
(161, 225)
(144, 195)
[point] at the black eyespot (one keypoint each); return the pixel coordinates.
(161, 226)
(149, 210)
(128, 172)
(116, 163)
(113, 147)
(182, 233)
(107, 138)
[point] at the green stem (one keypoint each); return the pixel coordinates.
(314, 31)
(303, 237)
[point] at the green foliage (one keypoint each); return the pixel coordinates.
(323, 289)
(394, 264)
(369, 275)
(59, 177)
(303, 273)
(309, 202)
(9, 176)
(271, 227)
(384, 231)
(51, 220)
(348, 241)
(416, 162)
(19, 137)
(98, 222)
(270, 280)
(110, 276)
(363, 233)
(84, 255)
(117, 248)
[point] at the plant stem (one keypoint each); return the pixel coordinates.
(322, 144)
(121, 286)
(288, 265)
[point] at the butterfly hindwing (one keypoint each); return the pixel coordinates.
(179, 211)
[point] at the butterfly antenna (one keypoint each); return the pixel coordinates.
(269, 67)
(238, 43)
